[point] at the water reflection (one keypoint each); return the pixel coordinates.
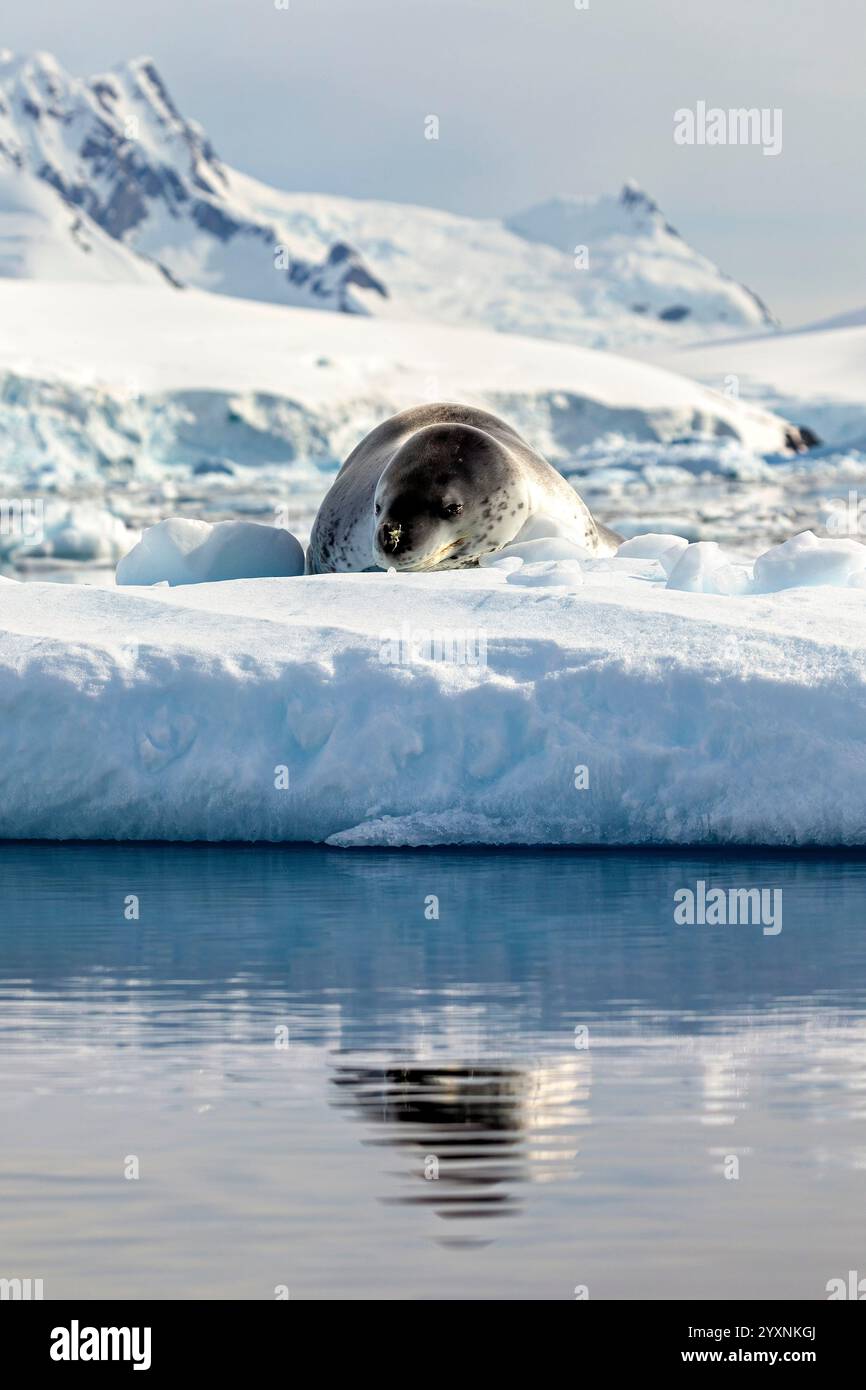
(434, 1075)
(473, 1132)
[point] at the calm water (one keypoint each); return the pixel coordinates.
(416, 1047)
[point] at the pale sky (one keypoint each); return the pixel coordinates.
(534, 98)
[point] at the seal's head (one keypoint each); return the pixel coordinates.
(450, 494)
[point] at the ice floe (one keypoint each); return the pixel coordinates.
(539, 701)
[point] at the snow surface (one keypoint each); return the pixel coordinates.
(654, 545)
(805, 559)
(386, 709)
(853, 318)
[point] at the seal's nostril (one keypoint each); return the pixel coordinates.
(390, 536)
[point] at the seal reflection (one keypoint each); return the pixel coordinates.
(477, 1130)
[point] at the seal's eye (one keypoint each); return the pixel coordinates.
(378, 508)
(452, 509)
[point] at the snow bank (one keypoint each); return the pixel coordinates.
(591, 704)
(183, 551)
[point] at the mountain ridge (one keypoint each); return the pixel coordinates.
(117, 148)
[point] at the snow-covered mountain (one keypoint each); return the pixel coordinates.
(643, 264)
(638, 281)
(42, 237)
(854, 318)
(601, 272)
(116, 148)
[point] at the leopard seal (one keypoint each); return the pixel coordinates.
(439, 486)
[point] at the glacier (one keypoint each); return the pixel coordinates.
(145, 402)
